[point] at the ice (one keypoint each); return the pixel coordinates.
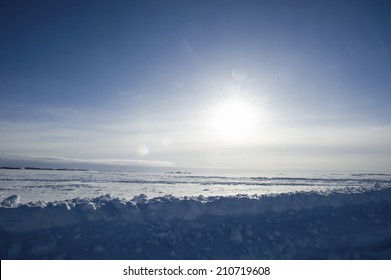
(56, 185)
(336, 224)
(11, 201)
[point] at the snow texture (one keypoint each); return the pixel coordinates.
(303, 225)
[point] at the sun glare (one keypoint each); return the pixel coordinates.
(234, 121)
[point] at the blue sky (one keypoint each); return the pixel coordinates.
(143, 83)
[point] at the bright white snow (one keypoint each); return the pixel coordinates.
(52, 185)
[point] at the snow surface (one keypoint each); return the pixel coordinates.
(52, 185)
(348, 223)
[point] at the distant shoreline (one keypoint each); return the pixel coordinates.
(42, 168)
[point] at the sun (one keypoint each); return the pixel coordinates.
(234, 120)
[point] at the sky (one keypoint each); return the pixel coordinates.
(265, 85)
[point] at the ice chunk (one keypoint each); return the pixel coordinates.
(11, 201)
(140, 199)
(105, 198)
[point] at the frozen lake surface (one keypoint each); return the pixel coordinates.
(52, 185)
(49, 214)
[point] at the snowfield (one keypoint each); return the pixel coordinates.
(348, 223)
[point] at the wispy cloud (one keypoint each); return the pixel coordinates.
(58, 161)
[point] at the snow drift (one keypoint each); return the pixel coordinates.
(307, 225)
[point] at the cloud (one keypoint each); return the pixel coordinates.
(37, 161)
